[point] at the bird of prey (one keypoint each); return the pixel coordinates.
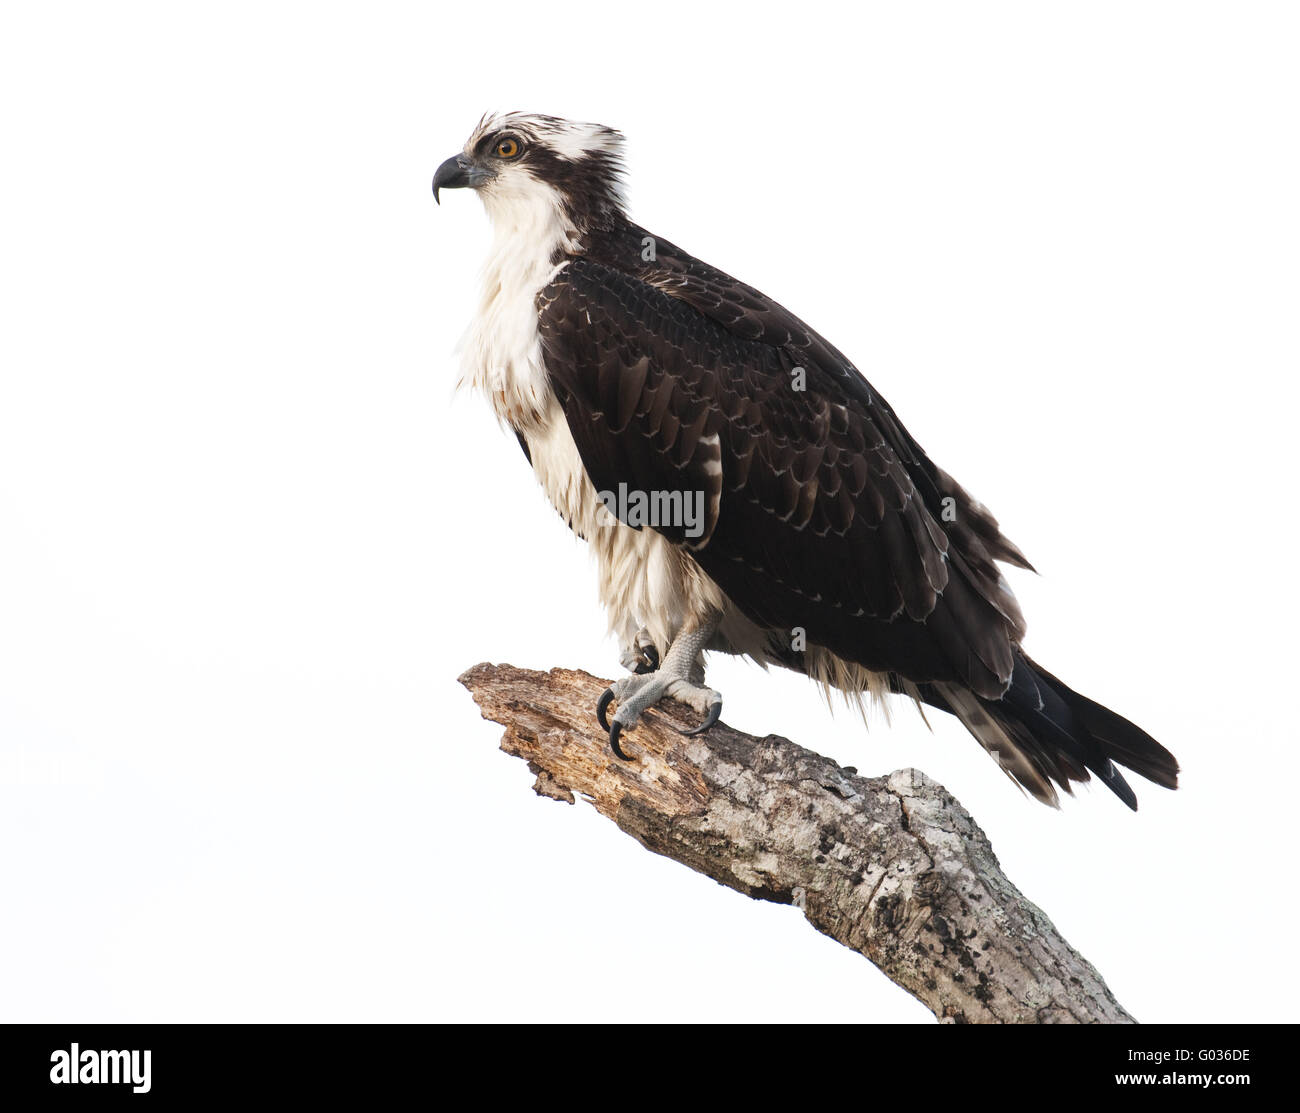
(743, 486)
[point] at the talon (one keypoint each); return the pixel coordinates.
(715, 713)
(651, 662)
(614, 731)
(606, 697)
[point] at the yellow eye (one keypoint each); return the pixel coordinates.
(507, 148)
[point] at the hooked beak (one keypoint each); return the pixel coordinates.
(458, 172)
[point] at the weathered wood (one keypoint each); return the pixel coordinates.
(893, 867)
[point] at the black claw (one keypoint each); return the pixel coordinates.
(614, 731)
(615, 728)
(606, 697)
(651, 662)
(715, 713)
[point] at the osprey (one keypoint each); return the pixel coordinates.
(801, 524)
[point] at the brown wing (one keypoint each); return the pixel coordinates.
(822, 512)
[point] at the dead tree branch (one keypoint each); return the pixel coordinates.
(892, 867)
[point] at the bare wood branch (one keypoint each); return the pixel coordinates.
(892, 867)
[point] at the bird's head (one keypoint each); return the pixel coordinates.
(523, 165)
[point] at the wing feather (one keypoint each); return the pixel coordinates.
(826, 515)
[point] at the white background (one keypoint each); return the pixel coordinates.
(249, 537)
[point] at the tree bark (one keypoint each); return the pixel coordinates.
(892, 867)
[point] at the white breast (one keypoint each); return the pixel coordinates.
(644, 580)
(501, 354)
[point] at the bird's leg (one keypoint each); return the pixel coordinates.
(641, 656)
(680, 676)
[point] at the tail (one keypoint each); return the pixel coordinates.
(1046, 735)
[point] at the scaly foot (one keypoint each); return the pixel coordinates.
(681, 676)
